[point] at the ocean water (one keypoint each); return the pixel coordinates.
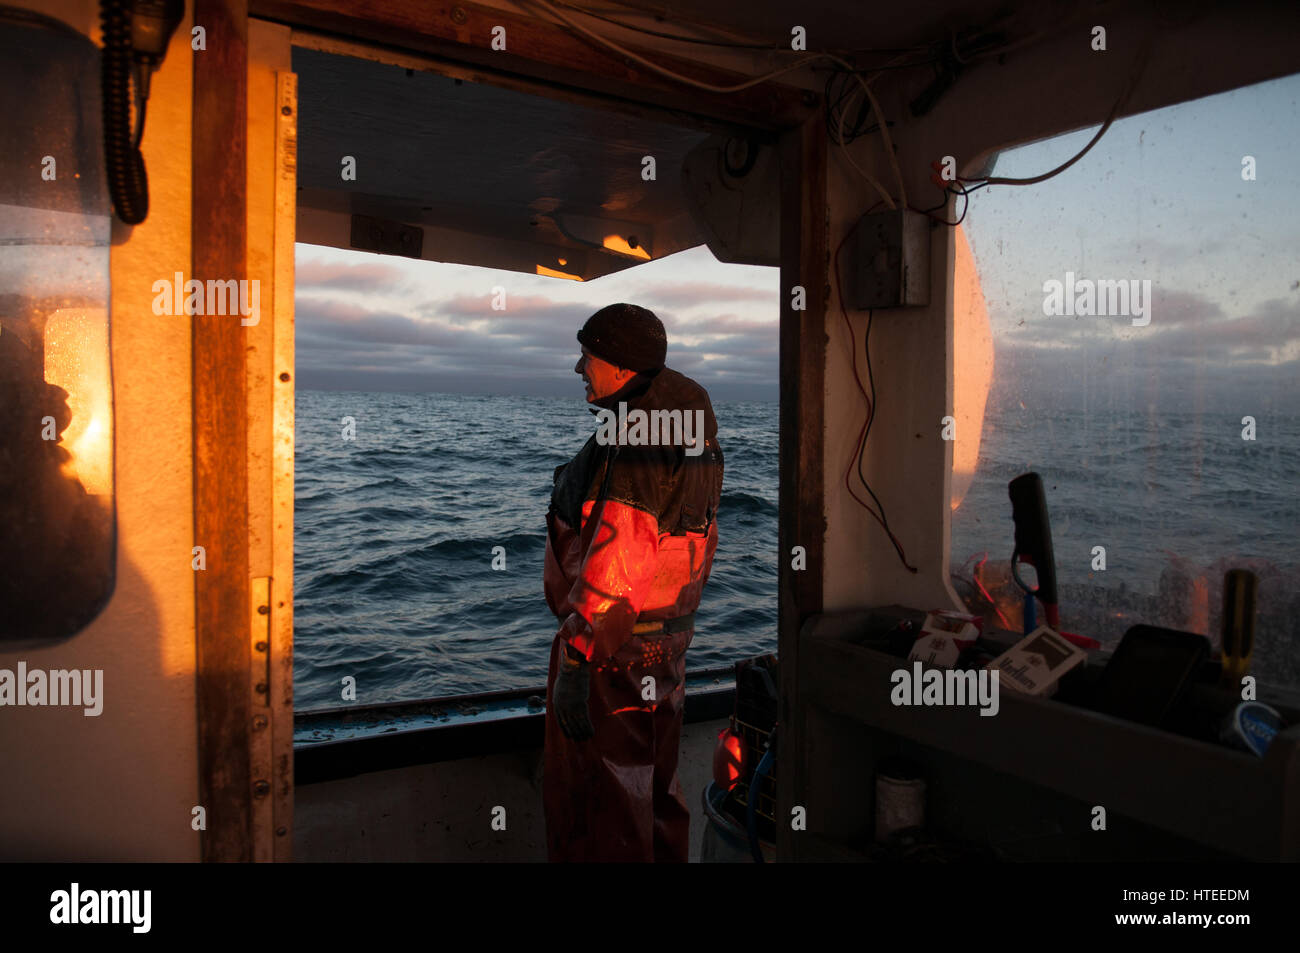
(1153, 489)
(1171, 500)
(395, 530)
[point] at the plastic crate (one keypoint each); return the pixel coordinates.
(757, 704)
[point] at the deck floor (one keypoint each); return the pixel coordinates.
(443, 812)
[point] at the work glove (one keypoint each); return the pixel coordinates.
(569, 695)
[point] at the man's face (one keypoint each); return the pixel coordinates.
(601, 377)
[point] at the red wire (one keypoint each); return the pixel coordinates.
(992, 601)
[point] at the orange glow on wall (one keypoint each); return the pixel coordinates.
(972, 367)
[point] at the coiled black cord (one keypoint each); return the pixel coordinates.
(128, 183)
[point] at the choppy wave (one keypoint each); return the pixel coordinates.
(395, 531)
(1174, 499)
(395, 536)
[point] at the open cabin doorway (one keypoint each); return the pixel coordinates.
(425, 581)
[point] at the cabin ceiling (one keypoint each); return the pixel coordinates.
(493, 176)
(500, 178)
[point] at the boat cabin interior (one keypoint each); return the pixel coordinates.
(836, 142)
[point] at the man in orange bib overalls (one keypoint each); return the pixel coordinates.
(631, 535)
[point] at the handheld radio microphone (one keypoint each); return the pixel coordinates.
(1034, 544)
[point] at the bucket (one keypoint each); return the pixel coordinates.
(725, 841)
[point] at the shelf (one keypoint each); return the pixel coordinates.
(1210, 794)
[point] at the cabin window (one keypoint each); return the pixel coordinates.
(1145, 316)
(56, 396)
(434, 400)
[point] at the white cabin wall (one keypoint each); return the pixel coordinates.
(906, 460)
(121, 786)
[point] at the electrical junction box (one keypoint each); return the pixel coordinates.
(888, 260)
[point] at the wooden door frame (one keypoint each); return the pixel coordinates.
(802, 513)
(219, 204)
(226, 697)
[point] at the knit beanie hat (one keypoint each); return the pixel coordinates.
(627, 336)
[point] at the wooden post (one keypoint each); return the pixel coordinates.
(221, 591)
(804, 257)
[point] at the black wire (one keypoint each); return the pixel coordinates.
(852, 130)
(964, 192)
(855, 129)
(871, 381)
(965, 207)
(862, 450)
(1135, 73)
(935, 208)
(832, 110)
(128, 180)
(864, 111)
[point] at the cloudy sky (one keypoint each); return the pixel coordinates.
(366, 322)
(1160, 198)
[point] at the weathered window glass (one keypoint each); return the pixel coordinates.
(56, 395)
(1145, 314)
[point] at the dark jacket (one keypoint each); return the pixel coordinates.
(632, 528)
